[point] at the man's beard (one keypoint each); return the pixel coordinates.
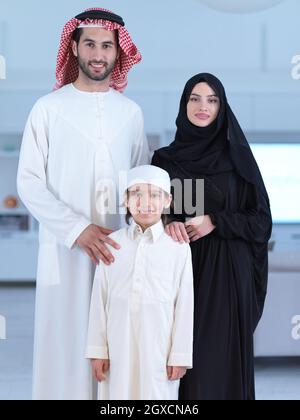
(98, 78)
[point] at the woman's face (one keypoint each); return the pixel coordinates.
(203, 105)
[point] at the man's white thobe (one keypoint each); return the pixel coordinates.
(73, 141)
(141, 316)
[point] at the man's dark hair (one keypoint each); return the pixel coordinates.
(78, 32)
(77, 35)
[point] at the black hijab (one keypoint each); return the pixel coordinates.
(220, 147)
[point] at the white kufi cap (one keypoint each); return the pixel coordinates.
(148, 174)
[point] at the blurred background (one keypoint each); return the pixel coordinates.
(253, 47)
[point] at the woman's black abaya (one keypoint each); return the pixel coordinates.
(230, 264)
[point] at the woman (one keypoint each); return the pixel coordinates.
(229, 245)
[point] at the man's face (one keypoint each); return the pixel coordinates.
(97, 53)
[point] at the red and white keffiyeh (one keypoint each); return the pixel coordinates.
(67, 69)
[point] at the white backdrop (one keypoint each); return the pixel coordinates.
(241, 6)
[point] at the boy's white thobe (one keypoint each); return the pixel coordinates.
(72, 142)
(141, 315)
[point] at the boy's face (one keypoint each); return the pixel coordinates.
(146, 203)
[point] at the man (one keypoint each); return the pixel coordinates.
(76, 140)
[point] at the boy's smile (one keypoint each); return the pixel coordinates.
(146, 204)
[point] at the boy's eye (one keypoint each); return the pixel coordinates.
(137, 194)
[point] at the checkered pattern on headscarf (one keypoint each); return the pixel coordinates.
(67, 69)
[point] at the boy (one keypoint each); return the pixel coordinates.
(141, 318)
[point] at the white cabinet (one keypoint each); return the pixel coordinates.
(18, 229)
(278, 333)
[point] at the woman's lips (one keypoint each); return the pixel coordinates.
(202, 116)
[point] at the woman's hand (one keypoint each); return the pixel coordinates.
(198, 227)
(177, 232)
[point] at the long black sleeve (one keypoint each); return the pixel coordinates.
(252, 223)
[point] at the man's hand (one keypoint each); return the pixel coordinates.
(92, 240)
(175, 372)
(198, 227)
(177, 232)
(99, 368)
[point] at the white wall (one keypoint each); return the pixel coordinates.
(251, 53)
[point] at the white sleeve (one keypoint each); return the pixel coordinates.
(181, 353)
(140, 151)
(56, 216)
(97, 347)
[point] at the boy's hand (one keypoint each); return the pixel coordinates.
(100, 367)
(175, 372)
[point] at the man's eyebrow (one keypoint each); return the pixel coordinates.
(208, 96)
(95, 42)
